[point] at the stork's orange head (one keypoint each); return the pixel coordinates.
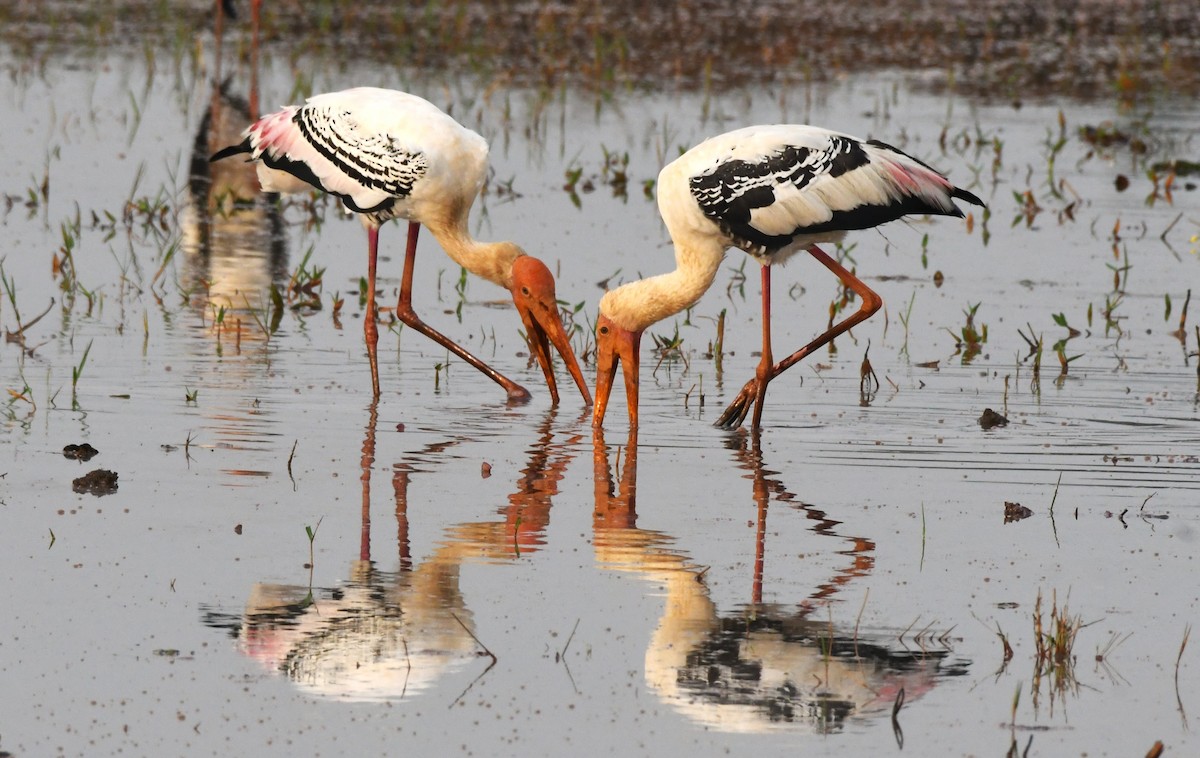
(534, 296)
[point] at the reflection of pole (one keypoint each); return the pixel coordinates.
(254, 19)
(368, 460)
(218, 34)
(215, 114)
(219, 13)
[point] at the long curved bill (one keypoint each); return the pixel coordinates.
(544, 326)
(615, 345)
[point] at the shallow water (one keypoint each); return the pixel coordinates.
(701, 591)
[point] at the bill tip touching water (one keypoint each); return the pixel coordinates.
(391, 155)
(771, 191)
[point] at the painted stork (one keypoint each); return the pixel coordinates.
(388, 155)
(771, 191)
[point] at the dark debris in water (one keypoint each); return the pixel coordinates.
(991, 419)
(84, 452)
(1015, 512)
(1108, 135)
(1179, 167)
(100, 482)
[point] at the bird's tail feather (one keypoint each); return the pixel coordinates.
(966, 197)
(238, 149)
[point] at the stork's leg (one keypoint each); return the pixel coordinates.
(370, 327)
(736, 412)
(871, 302)
(409, 317)
(755, 391)
(766, 363)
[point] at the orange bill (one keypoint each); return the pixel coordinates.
(533, 294)
(613, 346)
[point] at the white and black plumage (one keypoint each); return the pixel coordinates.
(771, 191)
(391, 155)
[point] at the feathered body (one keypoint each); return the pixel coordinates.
(773, 191)
(391, 155)
(387, 155)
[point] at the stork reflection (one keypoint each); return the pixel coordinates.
(525, 517)
(226, 10)
(761, 666)
(747, 451)
(376, 635)
(382, 635)
(234, 250)
(232, 237)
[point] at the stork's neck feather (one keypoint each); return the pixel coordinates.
(490, 260)
(637, 305)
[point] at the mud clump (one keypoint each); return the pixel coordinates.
(84, 452)
(1015, 512)
(990, 419)
(100, 482)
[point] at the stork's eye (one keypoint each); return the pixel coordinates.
(525, 291)
(604, 330)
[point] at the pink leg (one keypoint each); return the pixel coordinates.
(409, 317)
(370, 327)
(752, 393)
(765, 364)
(255, 15)
(218, 38)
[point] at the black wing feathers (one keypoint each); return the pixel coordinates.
(730, 192)
(372, 160)
(733, 190)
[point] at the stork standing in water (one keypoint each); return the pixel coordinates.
(771, 191)
(388, 155)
